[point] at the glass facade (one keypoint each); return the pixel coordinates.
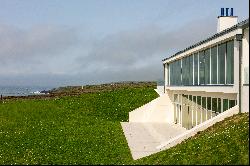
(232, 103)
(196, 69)
(190, 75)
(187, 70)
(225, 104)
(212, 66)
(214, 105)
(185, 67)
(221, 63)
(207, 66)
(202, 67)
(175, 72)
(230, 62)
(219, 105)
(209, 103)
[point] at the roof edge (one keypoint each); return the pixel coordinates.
(242, 24)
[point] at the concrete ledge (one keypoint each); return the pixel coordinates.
(178, 139)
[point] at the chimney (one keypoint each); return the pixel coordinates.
(226, 19)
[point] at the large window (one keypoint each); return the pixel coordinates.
(187, 70)
(230, 62)
(202, 67)
(178, 72)
(196, 69)
(207, 66)
(214, 65)
(171, 79)
(209, 103)
(190, 76)
(185, 67)
(221, 63)
(214, 105)
(232, 103)
(219, 105)
(175, 73)
(225, 104)
(211, 66)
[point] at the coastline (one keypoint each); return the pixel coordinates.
(77, 90)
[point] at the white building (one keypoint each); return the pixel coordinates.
(204, 84)
(204, 79)
(211, 76)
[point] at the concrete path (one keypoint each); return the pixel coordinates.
(143, 138)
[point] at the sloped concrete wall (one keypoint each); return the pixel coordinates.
(160, 90)
(158, 110)
(245, 99)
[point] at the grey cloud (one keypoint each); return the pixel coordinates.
(38, 41)
(35, 50)
(127, 48)
(125, 56)
(137, 54)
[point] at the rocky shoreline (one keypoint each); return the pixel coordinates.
(77, 90)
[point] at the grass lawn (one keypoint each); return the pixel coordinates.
(82, 129)
(86, 129)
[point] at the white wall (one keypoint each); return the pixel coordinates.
(166, 74)
(245, 99)
(245, 53)
(245, 66)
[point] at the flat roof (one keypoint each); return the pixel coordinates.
(242, 24)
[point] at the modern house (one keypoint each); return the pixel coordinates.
(212, 75)
(203, 84)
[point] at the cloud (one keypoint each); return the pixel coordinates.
(57, 55)
(137, 54)
(38, 41)
(36, 50)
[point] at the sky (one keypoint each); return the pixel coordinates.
(79, 42)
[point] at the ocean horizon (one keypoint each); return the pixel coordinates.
(22, 90)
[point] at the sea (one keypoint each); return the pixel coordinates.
(22, 90)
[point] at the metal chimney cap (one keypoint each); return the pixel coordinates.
(225, 12)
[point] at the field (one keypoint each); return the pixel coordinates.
(85, 129)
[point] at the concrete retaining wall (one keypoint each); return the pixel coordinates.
(157, 111)
(245, 99)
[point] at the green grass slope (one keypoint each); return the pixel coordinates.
(85, 129)
(82, 129)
